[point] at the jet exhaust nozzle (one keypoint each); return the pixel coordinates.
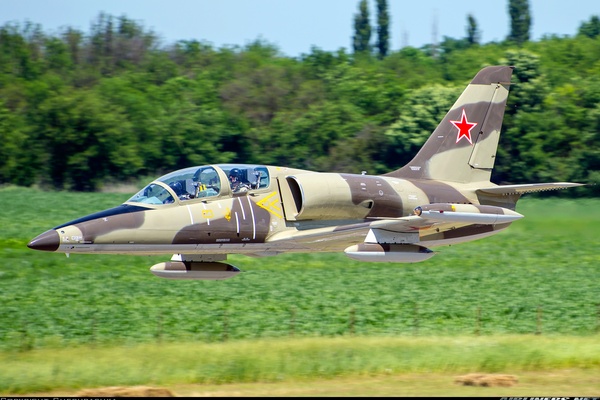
(194, 270)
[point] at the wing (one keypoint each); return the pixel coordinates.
(338, 237)
(406, 230)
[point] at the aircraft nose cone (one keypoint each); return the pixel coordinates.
(47, 241)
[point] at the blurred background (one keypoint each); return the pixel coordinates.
(115, 103)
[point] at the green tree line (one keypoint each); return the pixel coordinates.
(81, 110)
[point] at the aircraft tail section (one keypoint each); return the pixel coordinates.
(463, 146)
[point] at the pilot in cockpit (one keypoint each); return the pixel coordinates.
(235, 179)
(181, 193)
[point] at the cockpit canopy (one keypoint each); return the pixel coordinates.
(204, 181)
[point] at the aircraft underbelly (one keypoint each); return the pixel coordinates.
(154, 249)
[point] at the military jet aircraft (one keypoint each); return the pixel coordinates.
(201, 214)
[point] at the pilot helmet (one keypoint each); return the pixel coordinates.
(235, 173)
(177, 187)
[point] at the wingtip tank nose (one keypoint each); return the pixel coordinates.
(47, 241)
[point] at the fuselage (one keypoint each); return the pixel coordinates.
(272, 216)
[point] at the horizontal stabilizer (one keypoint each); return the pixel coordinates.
(528, 188)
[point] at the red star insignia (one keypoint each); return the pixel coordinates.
(464, 127)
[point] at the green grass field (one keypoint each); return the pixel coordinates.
(271, 361)
(537, 280)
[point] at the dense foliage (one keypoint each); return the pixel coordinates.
(520, 21)
(80, 110)
(383, 29)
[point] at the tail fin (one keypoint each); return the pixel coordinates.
(463, 146)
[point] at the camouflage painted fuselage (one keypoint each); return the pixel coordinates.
(298, 211)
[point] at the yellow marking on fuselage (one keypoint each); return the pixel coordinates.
(228, 214)
(271, 206)
(208, 213)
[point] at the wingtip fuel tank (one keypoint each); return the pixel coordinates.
(194, 270)
(467, 213)
(381, 252)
